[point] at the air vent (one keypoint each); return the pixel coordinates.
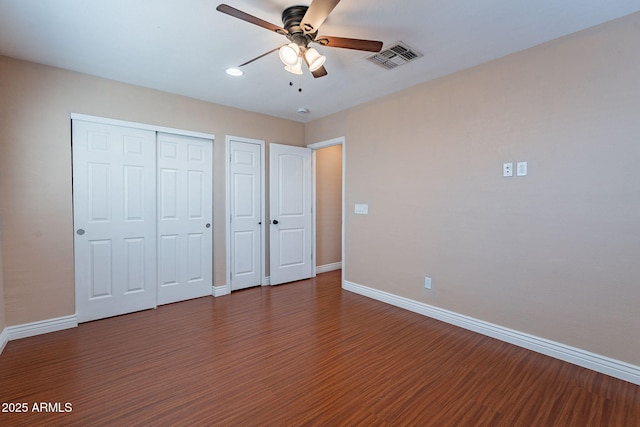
(394, 56)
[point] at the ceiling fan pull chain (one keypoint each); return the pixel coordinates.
(299, 89)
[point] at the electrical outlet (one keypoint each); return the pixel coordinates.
(427, 282)
(507, 169)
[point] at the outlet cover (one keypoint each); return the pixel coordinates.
(507, 169)
(427, 282)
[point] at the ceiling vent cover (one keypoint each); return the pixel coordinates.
(394, 56)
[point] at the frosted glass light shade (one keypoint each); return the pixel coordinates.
(295, 69)
(314, 59)
(289, 54)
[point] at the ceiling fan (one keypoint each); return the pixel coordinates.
(300, 27)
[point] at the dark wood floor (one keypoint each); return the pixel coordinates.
(306, 353)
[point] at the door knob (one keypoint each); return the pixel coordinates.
(208, 225)
(80, 232)
(275, 221)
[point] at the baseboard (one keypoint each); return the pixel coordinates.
(4, 339)
(42, 327)
(218, 291)
(586, 359)
(328, 267)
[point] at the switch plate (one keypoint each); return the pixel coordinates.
(427, 282)
(361, 209)
(521, 169)
(507, 169)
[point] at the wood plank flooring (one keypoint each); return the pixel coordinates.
(306, 353)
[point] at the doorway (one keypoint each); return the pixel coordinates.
(329, 173)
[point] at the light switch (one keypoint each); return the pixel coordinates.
(362, 209)
(521, 169)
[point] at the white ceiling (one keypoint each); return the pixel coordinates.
(184, 46)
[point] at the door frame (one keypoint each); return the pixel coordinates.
(227, 152)
(341, 140)
(145, 126)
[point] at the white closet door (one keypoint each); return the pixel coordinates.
(184, 218)
(245, 176)
(114, 187)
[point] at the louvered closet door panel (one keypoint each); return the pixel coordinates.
(184, 218)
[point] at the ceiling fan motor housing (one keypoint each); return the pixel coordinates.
(291, 19)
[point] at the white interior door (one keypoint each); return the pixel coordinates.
(290, 207)
(114, 185)
(184, 218)
(246, 222)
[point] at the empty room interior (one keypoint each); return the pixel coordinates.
(330, 213)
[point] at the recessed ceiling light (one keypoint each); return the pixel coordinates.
(235, 72)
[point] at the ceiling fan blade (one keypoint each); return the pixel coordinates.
(320, 72)
(232, 11)
(317, 14)
(258, 57)
(346, 43)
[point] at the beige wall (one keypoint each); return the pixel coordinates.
(554, 254)
(329, 205)
(35, 171)
(3, 323)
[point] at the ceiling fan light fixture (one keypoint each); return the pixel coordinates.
(289, 54)
(295, 69)
(314, 59)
